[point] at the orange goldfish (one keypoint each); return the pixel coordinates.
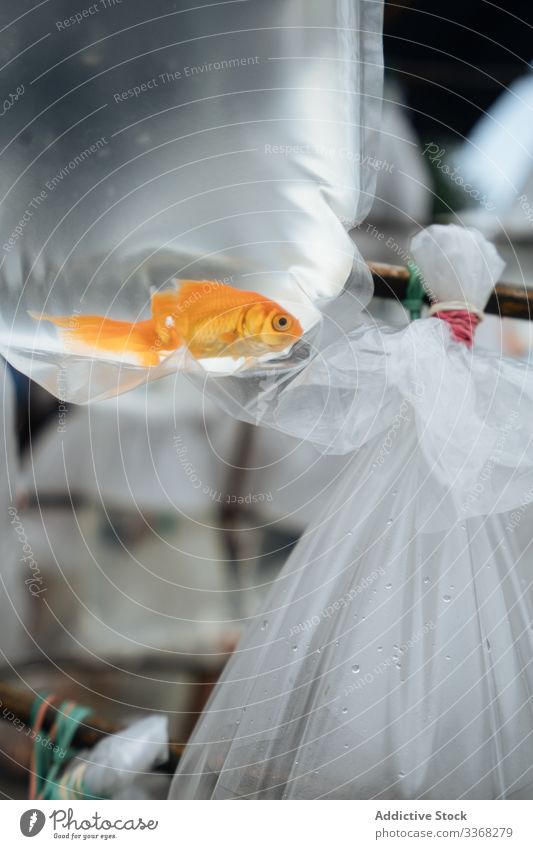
(209, 318)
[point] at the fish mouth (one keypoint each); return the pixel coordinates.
(259, 344)
(278, 341)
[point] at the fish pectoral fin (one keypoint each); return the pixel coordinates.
(231, 342)
(166, 314)
(229, 337)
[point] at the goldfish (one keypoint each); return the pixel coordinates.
(210, 319)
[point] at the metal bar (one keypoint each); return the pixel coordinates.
(18, 703)
(507, 300)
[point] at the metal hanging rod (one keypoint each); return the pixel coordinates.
(17, 703)
(507, 300)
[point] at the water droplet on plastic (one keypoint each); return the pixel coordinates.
(446, 598)
(390, 522)
(356, 668)
(388, 586)
(488, 645)
(426, 581)
(346, 746)
(380, 648)
(398, 666)
(345, 710)
(401, 775)
(264, 626)
(448, 657)
(295, 648)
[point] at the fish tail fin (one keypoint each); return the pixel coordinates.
(106, 334)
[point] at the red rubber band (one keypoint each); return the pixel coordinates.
(462, 324)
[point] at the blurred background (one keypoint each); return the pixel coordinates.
(154, 524)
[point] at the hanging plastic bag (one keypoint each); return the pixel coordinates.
(470, 409)
(227, 142)
(392, 657)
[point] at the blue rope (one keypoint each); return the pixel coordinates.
(51, 755)
(414, 299)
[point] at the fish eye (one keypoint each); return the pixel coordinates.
(280, 322)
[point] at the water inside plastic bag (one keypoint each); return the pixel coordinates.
(232, 141)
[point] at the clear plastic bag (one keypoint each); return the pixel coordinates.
(471, 409)
(228, 141)
(21, 580)
(392, 657)
(386, 662)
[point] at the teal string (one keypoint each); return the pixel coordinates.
(414, 299)
(49, 763)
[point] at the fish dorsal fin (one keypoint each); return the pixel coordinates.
(195, 288)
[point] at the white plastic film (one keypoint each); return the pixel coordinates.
(121, 765)
(387, 662)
